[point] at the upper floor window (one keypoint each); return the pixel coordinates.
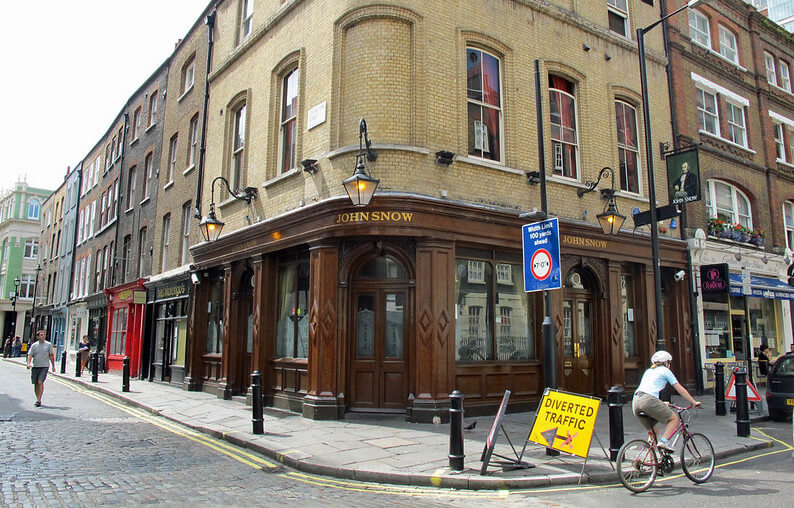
(131, 187)
(484, 97)
(618, 11)
(699, 28)
(728, 45)
(785, 77)
(172, 146)
(136, 123)
(246, 18)
(185, 247)
(771, 71)
(737, 132)
(238, 147)
(780, 141)
(148, 174)
(628, 147)
(31, 248)
(27, 286)
(166, 240)
(188, 74)
(141, 248)
(708, 116)
(289, 112)
(788, 220)
(152, 114)
(564, 138)
(727, 203)
(783, 130)
(192, 149)
(34, 207)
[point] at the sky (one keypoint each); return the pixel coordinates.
(68, 67)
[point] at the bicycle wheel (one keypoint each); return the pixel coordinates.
(636, 465)
(697, 458)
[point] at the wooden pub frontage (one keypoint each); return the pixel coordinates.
(391, 307)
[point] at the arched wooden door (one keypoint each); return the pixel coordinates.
(378, 331)
(578, 312)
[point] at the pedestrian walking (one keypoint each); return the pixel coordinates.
(84, 350)
(763, 360)
(38, 353)
(16, 347)
(7, 347)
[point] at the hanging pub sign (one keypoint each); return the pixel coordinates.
(714, 279)
(683, 177)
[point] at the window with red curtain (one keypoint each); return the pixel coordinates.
(628, 148)
(564, 139)
(483, 90)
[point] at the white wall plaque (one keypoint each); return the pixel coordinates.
(316, 116)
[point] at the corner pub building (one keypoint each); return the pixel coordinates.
(392, 306)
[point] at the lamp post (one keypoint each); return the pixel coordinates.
(361, 187)
(657, 278)
(210, 225)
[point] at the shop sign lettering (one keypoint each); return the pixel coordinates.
(172, 291)
(578, 241)
(125, 295)
(374, 216)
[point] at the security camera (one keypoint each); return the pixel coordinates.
(194, 278)
(679, 275)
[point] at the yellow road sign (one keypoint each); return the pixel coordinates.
(565, 421)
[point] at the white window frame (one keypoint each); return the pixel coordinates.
(785, 76)
(131, 187)
(737, 124)
(166, 242)
(239, 140)
(185, 254)
(736, 194)
(34, 209)
(695, 33)
(634, 150)
(485, 105)
(142, 234)
(148, 171)
(32, 245)
(189, 75)
(476, 272)
(789, 226)
(771, 70)
(172, 151)
(152, 109)
(136, 124)
(622, 12)
(558, 148)
(783, 126)
(290, 122)
(246, 19)
(728, 44)
(193, 142)
(26, 286)
(704, 112)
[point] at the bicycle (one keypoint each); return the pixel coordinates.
(638, 465)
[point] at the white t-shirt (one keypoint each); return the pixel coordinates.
(41, 351)
(655, 379)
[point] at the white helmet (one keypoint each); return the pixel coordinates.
(661, 357)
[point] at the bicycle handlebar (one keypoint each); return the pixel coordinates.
(679, 409)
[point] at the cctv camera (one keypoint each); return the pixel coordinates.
(679, 275)
(194, 278)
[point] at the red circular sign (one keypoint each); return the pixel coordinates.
(541, 264)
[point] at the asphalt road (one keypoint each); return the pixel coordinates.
(82, 448)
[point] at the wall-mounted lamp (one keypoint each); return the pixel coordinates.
(310, 166)
(611, 219)
(361, 187)
(210, 225)
(533, 177)
(445, 157)
(585, 47)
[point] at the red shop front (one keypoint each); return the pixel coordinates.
(126, 306)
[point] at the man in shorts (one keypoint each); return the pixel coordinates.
(646, 398)
(39, 352)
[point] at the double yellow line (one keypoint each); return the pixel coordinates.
(218, 445)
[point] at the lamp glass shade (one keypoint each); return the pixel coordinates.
(611, 219)
(211, 227)
(360, 187)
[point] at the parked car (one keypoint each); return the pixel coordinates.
(780, 388)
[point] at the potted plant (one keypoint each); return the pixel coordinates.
(757, 237)
(716, 226)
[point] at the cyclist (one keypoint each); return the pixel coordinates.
(646, 398)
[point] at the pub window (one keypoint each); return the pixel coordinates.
(629, 328)
(292, 328)
(494, 316)
(118, 334)
(214, 342)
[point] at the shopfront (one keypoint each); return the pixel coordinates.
(168, 327)
(125, 313)
(753, 300)
(392, 308)
(79, 321)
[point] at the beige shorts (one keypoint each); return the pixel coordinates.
(656, 410)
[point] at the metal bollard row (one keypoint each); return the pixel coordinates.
(95, 367)
(719, 389)
(63, 362)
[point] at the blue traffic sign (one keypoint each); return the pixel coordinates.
(541, 242)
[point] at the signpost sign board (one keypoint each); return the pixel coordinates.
(566, 422)
(541, 242)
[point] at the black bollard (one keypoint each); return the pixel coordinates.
(456, 431)
(719, 388)
(77, 364)
(125, 374)
(94, 367)
(256, 389)
(615, 401)
(63, 362)
(742, 410)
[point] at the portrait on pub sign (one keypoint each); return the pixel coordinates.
(683, 177)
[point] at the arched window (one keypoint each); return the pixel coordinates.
(34, 207)
(726, 202)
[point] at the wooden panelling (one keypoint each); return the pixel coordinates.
(486, 383)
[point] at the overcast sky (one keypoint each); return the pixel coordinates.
(68, 68)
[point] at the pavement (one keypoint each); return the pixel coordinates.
(387, 449)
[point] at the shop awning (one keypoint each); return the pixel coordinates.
(763, 287)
